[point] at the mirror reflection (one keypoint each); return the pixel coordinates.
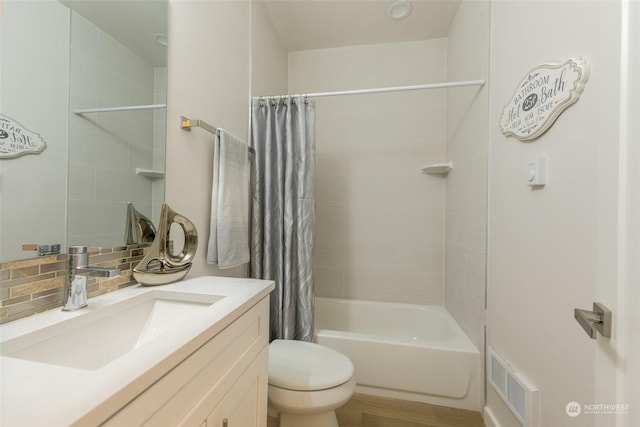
(96, 92)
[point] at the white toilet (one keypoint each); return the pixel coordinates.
(307, 382)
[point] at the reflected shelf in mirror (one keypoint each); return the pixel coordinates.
(123, 108)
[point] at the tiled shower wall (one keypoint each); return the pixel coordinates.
(380, 221)
(159, 141)
(467, 146)
(34, 285)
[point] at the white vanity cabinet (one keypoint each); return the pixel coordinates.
(190, 353)
(224, 379)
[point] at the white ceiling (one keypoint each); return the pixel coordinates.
(317, 24)
(131, 22)
(302, 24)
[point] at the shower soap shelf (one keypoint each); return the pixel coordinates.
(438, 168)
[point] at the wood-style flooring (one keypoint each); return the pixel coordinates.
(370, 411)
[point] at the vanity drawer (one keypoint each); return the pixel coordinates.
(211, 370)
(241, 407)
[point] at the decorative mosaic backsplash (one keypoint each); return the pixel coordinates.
(37, 284)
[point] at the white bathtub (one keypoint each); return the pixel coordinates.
(406, 351)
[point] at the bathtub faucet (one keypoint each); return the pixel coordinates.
(75, 289)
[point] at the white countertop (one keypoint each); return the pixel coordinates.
(41, 394)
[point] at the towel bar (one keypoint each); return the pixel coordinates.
(187, 123)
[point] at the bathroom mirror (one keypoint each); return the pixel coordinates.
(62, 63)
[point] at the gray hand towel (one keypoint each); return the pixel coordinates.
(229, 233)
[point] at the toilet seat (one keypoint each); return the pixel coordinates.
(305, 366)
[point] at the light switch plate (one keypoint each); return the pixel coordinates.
(537, 171)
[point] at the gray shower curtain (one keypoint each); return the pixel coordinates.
(283, 210)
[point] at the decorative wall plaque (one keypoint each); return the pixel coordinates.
(542, 96)
(16, 140)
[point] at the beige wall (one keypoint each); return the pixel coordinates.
(629, 374)
(214, 70)
(380, 222)
(209, 79)
(467, 147)
(268, 54)
(554, 249)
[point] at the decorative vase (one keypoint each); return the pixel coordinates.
(161, 266)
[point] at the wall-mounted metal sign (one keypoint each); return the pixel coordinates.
(16, 140)
(544, 93)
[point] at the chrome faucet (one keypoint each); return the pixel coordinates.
(75, 289)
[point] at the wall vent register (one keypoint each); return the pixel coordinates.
(520, 396)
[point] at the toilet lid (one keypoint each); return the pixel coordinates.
(305, 366)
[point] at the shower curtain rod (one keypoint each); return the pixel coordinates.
(384, 89)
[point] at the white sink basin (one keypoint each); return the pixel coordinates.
(94, 339)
